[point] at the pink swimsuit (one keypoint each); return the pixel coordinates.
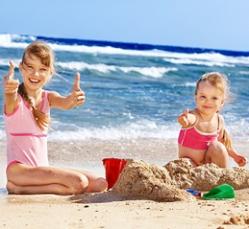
(26, 142)
(195, 139)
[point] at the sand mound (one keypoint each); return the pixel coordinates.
(206, 176)
(142, 180)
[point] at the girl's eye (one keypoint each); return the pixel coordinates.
(215, 98)
(203, 97)
(43, 69)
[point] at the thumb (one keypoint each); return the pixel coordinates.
(186, 111)
(11, 72)
(76, 85)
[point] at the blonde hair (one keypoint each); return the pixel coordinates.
(226, 140)
(216, 79)
(42, 51)
(219, 81)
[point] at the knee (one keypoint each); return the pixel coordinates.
(218, 154)
(80, 185)
(217, 148)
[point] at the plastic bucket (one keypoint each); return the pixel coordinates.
(113, 167)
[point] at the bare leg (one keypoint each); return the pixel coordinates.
(96, 183)
(34, 180)
(217, 154)
(38, 189)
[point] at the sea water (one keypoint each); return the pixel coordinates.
(133, 90)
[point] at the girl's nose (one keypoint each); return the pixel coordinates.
(36, 73)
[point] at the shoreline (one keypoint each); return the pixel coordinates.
(88, 154)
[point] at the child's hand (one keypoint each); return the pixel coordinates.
(10, 84)
(183, 119)
(77, 96)
(240, 159)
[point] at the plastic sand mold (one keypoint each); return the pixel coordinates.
(221, 192)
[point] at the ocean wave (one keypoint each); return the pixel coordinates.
(155, 72)
(244, 72)
(5, 62)
(142, 129)
(206, 58)
(197, 62)
(15, 40)
(146, 129)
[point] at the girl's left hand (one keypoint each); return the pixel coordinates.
(240, 160)
(77, 96)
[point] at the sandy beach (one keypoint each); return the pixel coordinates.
(108, 210)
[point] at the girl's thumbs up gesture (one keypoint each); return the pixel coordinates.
(10, 84)
(77, 96)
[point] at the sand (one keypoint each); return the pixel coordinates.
(111, 209)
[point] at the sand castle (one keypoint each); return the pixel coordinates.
(168, 183)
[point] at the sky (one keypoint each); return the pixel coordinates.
(218, 24)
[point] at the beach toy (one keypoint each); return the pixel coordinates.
(113, 167)
(221, 192)
(194, 192)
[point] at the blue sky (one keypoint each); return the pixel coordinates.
(221, 24)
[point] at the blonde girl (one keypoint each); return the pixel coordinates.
(203, 137)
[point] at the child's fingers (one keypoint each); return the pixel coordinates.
(76, 85)
(11, 86)
(243, 161)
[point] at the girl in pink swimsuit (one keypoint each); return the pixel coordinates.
(203, 137)
(27, 116)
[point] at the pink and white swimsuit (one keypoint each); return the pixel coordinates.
(26, 142)
(195, 139)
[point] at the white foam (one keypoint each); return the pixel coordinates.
(195, 62)
(244, 72)
(139, 129)
(5, 62)
(155, 72)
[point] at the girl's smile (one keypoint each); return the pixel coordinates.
(35, 73)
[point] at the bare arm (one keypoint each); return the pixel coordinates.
(225, 139)
(75, 98)
(186, 119)
(10, 90)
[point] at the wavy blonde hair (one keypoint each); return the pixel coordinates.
(42, 51)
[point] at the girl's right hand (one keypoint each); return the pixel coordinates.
(183, 119)
(10, 84)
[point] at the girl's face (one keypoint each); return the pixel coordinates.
(35, 74)
(209, 99)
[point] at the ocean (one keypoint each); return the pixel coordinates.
(133, 90)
